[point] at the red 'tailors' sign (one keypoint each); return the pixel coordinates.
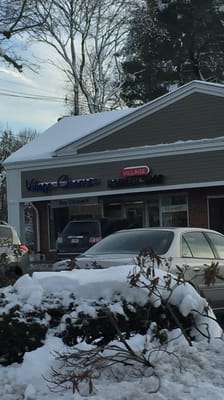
(134, 171)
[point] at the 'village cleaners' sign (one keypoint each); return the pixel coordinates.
(135, 176)
(63, 182)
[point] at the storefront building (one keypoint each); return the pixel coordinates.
(161, 164)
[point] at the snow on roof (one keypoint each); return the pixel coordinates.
(67, 130)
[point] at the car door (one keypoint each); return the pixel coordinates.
(198, 254)
(217, 290)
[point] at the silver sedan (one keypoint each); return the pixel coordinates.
(199, 252)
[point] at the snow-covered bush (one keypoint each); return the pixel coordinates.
(27, 313)
(98, 307)
(173, 306)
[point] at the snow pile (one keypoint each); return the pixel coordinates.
(197, 371)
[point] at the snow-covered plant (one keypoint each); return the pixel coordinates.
(105, 325)
(82, 364)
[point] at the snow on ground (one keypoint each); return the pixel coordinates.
(181, 372)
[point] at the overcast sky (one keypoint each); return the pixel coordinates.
(18, 112)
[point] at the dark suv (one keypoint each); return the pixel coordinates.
(14, 257)
(79, 235)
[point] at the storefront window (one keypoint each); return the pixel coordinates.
(113, 210)
(133, 211)
(173, 199)
(174, 210)
(158, 210)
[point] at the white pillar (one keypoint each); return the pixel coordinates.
(15, 207)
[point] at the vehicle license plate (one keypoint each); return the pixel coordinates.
(74, 240)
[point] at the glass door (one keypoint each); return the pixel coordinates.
(216, 214)
(135, 213)
(153, 212)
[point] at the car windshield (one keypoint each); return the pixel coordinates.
(132, 242)
(91, 228)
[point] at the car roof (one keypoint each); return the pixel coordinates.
(83, 220)
(171, 229)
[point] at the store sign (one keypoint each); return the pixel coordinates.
(63, 182)
(135, 176)
(134, 171)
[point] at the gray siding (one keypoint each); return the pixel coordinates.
(177, 170)
(197, 116)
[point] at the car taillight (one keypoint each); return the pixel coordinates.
(24, 248)
(94, 239)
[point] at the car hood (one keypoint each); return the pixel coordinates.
(104, 260)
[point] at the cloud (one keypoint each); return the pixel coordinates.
(18, 112)
(14, 74)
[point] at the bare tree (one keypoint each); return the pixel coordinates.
(16, 18)
(27, 135)
(87, 36)
(10, 143)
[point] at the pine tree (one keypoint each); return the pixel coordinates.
(142, 65)
(171, 43)
(195, 39)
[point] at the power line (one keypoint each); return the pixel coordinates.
(11, 93)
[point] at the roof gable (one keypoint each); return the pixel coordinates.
(195, 117)
(91, 132)
(151, 119)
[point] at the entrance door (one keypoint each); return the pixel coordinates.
(134, 213)
(216, 214)
(153, 212)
